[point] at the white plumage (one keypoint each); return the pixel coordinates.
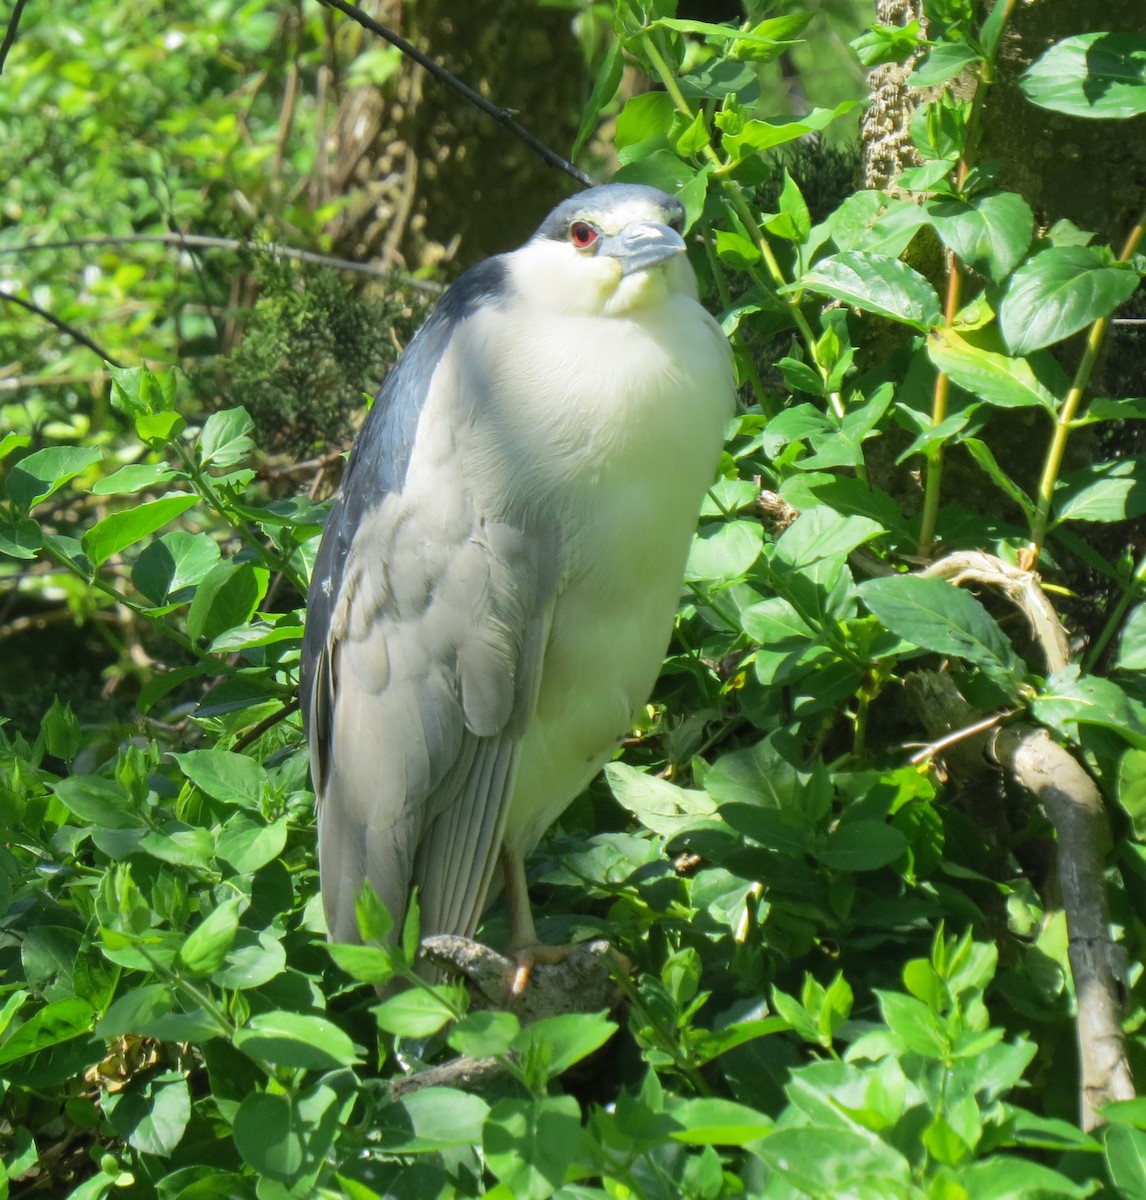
(497, 583)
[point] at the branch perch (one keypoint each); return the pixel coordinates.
(1074, 806)
(1071, 800)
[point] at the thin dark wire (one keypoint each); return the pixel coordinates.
(10, 32)
(500, 115)
(63, 326)
(201, 241)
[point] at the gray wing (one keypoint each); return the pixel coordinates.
(427, 620)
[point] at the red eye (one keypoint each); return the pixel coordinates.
(582, 234)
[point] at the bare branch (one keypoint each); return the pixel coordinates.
(1020, 587)
(501, 115)
(1082, 840)
(1072, 801)
(62, 326)
(582, 981)
(10, 32)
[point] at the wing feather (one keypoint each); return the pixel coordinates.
(421, 681)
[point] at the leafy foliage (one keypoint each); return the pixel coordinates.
(849, 976)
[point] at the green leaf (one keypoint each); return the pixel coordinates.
(1000, 381)
(862, 845)
(227, 596)
(944, 61)
(1091, 75)
(1131, 789)
(724, 553)
(982, 454)
(432, 1119)
(1072, 698)
(367, 964)
(527, 1144)
(794, 221)
(180, 845)
(713, 1121)
(157, 429)
(60, 730)
(11, 442)
(689, 137)
(418, 1012)
(763, 776)
(604, 89)
(642, 126)
(122, 529)
(878, 284)
(881, 44)
(758, 136)
(556, 1043)
(937, 616)
(37, 476)
(289, 1039)
(50, 1026)
(207, 944)
(225, 439)
(1059, 291)
(248, 845)
(822, 534)
(778, 631)
(98, 801)
(251, 961)
(1132, 643)
(659, 805)
(20, 538)
(1125, 1151)
(1107, 491)
(286, 1138)
(1001, 1177)
(799, 377)
(484, 1034)
(226, 776)
(835, 1162)
(153, 1118)
(135, 478)
(873, 222)
(914, 1024)
(174, 564)
(991, 233)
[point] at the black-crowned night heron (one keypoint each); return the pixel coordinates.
(497, 581)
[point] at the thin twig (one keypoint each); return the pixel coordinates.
(62, 326)
(201, 241)
(959, 735)
(256, 731)
(501, 115)
(10, 32)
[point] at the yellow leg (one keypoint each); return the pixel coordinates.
(522, 931)
(523, 944)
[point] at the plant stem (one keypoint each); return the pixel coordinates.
(934, 479)
(1067, 413)
(730, 188)
(743, 357)
(61, 560)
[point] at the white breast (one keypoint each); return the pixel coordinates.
(624, 418)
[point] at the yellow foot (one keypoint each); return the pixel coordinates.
(525, 959)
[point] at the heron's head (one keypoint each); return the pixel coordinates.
(606, 251)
